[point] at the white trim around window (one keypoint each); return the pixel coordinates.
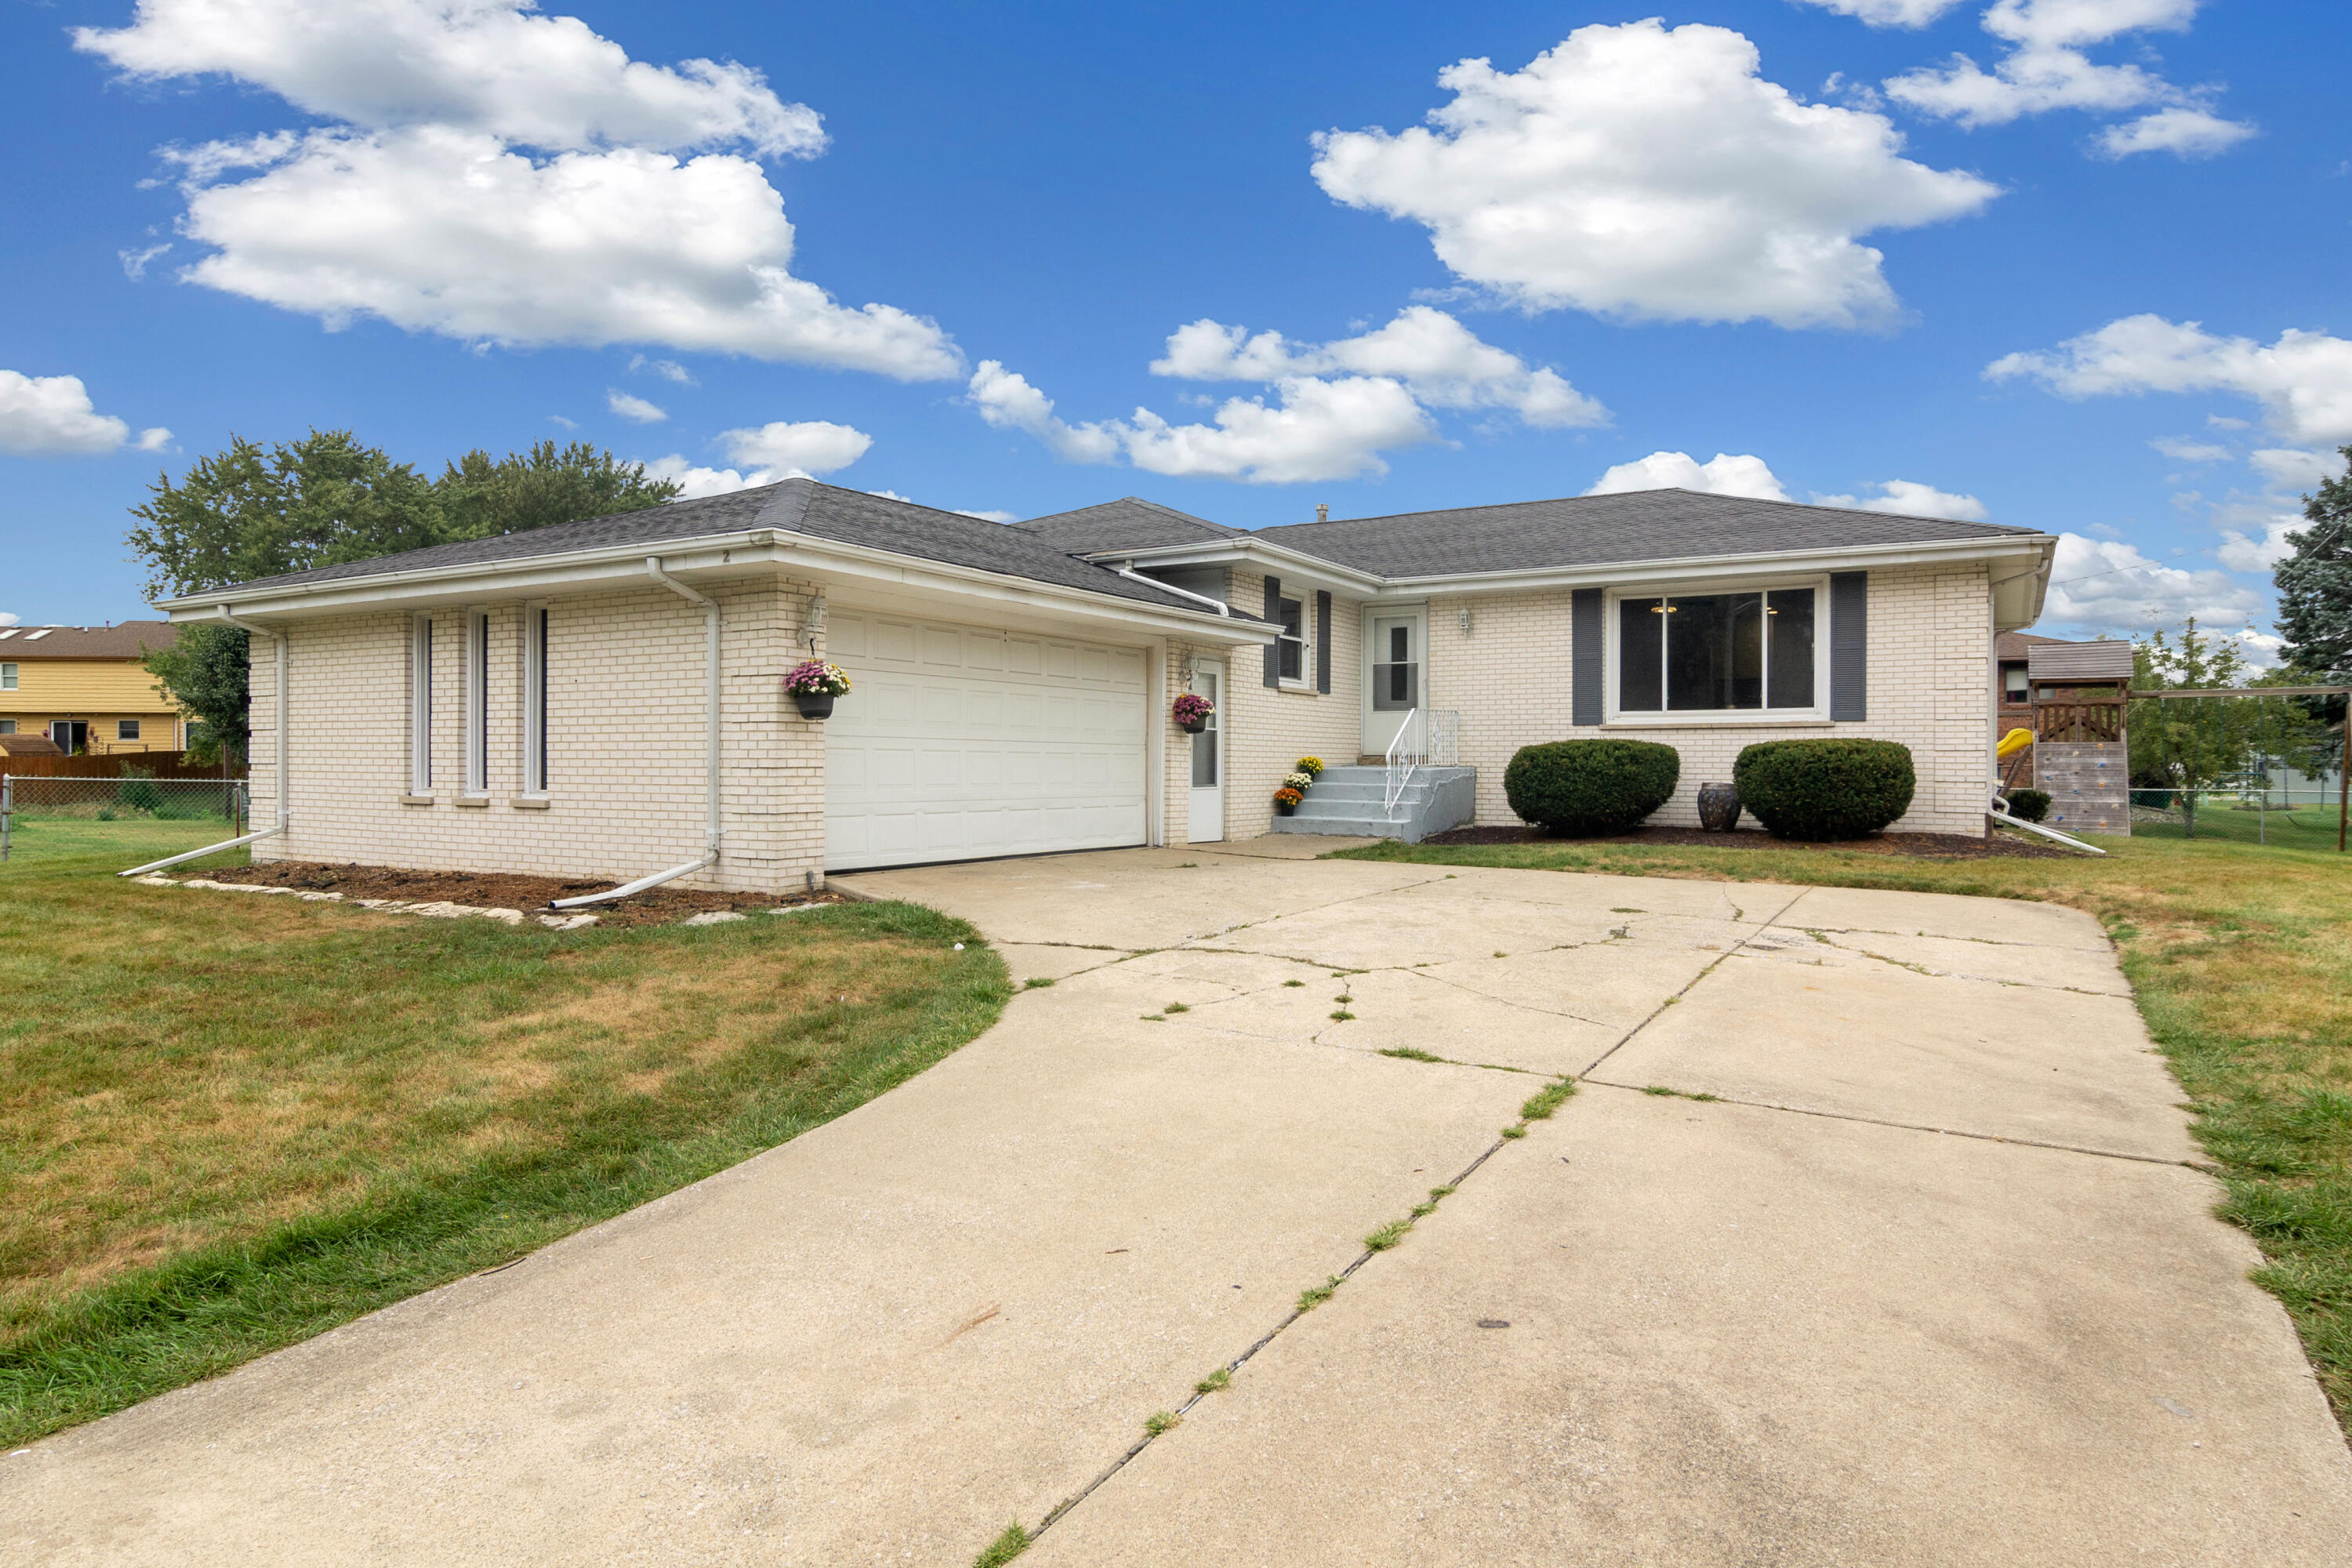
(534, 699)
(1299, 644)
(477, 702)
(420, 705)
(1757, 595)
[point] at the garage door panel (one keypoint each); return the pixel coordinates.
(963, 742)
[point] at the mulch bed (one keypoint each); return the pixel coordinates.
(658, 906)
(1918, 845)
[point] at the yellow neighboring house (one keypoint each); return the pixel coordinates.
(83, 688)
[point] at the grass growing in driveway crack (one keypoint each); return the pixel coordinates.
(2241, 961)
(1004, 1548)
(1222, 1378)
(236, 1123)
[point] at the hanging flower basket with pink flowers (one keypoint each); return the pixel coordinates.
(813, 684)
(1192, 713)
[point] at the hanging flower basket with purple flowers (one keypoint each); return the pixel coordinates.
(813, 684)
(1192, 713)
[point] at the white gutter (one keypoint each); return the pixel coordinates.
(1217, 605)
(736, 554)
(221, 612)
(712, 832)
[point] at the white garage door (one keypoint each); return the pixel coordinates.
(957, 742)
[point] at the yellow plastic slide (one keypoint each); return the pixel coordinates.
(2013, 743)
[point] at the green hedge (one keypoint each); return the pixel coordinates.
(1821, 791)
(1591, 787)
(2029, 805)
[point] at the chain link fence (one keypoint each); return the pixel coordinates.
(37, 800)
(2277, 817)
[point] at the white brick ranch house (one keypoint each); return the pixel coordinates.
(548, 701)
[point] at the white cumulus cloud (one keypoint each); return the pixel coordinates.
(667, 368)
(698, 481)
(1724, 475)
(2108, 584)
(9, 618)
(52, 417)
(2288, 468)
(491, 66)
(2045, 69)
(1890, 13)
(1909, 497)
(1441, 362)
(811, 446)
(635, 409)
(2186, 133)
(1648, 174)
(501, 176)
(2304, 381)
(448, 231)
(1314, 429)
(2181, 449)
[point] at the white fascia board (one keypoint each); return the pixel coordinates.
(710, 558)
(1316, 572)
(2037, 547)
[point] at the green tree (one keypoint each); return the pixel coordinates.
(2203, 743)
(247, 512)
(2314, 584)
(481, 498)
(206, 672)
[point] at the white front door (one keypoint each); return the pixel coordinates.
(1206, 824)
(1394, 660)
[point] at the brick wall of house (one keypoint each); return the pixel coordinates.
(1930, 635)
(1272, 728)
(625, 726)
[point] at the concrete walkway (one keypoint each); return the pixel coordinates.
(1929, 1280)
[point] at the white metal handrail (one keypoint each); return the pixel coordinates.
(1427, 737)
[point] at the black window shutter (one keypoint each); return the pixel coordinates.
(1585, 626)
(1849, 646)
(1274, 614)
(1322, 642)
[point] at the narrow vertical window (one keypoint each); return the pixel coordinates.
(534, 700)
(478, 704)
(420, 706)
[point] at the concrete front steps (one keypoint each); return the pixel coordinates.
(1348, 801)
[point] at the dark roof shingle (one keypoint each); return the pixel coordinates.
(1597, 531)
(1127, 524)
(797, 506)
(124, 639)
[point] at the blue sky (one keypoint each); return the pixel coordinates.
(2069, 264)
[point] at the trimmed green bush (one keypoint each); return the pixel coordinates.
(1591, 787)
(1818, 792)
(2029, 805)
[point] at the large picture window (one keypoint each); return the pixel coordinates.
(1718, 653)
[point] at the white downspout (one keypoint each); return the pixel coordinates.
(712, 832)
(221, 612)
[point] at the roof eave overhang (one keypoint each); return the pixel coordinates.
(1291, 566)
(742, 553)
(2010, 547)
(2018, 547)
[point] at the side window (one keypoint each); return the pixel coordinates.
(1293, 642)
(8, 678)
(126, 728)
(420, 706)
(534, 699)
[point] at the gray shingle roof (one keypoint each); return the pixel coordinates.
(1127, 524)
(799, 506)
(1596, 531)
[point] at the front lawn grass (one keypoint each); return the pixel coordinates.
(2240, 958)
(229, 1122)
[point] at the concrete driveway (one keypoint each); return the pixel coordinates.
(1870, 1238)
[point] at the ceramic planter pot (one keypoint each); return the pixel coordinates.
(1718, 807)
(813, 704)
